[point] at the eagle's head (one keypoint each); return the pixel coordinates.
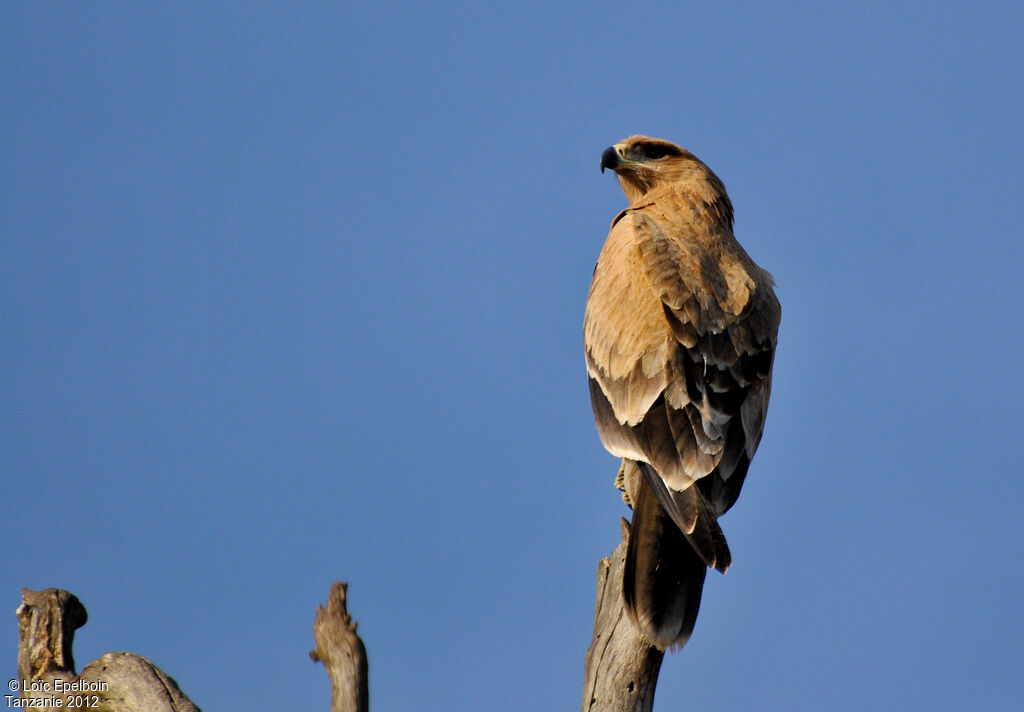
(644, 164)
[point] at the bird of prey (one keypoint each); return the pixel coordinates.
(679, 334)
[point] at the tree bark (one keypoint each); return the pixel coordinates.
(620, 674)
(621, 669)
(125, 682)
(342, 652)
(114, 682)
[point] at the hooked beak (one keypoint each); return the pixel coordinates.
(614, 157)
(609, 159)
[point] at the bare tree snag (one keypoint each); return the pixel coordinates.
(114, 682)
(342, 652)
(621, 669)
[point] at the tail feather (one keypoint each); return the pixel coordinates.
(693, 515)
(664, 574)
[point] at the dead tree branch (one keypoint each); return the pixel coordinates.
(114, 682)
(342, 652)
(125, 682)
(621, 669)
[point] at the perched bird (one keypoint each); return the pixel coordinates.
(679, 334)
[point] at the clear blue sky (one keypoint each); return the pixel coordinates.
(292, 293)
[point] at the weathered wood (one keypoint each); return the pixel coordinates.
(621, 669)
(114, 682)
(342, 652)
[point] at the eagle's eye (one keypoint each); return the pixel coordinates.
(653, 151)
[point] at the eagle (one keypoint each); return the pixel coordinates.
(679, 336)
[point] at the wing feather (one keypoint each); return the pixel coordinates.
(679, 333)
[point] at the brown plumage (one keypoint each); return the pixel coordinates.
(679, 335)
